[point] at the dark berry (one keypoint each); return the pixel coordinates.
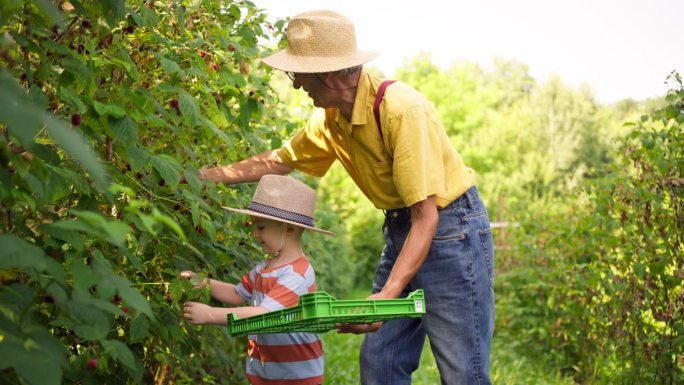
(162, 182)
(116, 299)
(75, 119)
(85, 24)
(174, 103)
(202, 53)
(48, 299)
(169, 299)
(130, 29)
(92, 363)
(139, 175)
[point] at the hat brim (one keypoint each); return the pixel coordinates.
(283, 61)
(266, 216)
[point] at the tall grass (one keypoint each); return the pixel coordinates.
(508, 367)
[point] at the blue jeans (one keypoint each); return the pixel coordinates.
(457, 278)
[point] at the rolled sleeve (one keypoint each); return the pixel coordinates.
(418, 165)
(309, 151)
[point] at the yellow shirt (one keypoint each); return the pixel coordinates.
(415, 160)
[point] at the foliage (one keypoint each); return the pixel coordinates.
(107, 105)
(600, 289)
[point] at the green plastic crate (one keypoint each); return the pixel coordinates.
(318, 312)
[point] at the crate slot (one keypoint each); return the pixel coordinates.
(318, 312)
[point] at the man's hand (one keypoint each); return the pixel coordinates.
(198, 313)
(363, 328)
(358, 328)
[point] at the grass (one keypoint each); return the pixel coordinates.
(507, 366)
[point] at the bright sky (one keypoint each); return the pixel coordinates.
(621, 48)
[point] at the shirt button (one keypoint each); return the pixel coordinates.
(395, 214)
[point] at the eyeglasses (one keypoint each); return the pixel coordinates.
(290, 75)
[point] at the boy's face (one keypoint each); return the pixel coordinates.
(268, 233)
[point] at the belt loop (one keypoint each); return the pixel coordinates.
(469, 197)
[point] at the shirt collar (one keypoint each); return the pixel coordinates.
(360, 110)
(363, 89)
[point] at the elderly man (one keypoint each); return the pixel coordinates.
(436, 231)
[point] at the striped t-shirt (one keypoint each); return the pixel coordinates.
(282, 358)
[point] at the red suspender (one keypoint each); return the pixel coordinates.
(376, 104)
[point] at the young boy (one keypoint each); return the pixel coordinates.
(281, 209)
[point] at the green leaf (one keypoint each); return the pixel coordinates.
(124, 130)
(192, 177)
(170, 223)
(82, 276)
(130, 295)
(72, 98)
(139, 328)
(109, 110)
(169, 66)
(246, 110)
(17, 253)
(75, 145)
(137, 157)
(18, 113)
(48, 9)
(39, 350)
(168, 168)
(216, 130)
(208, 225)
(91, 323)
(119, 351)
(189, 109)
(71, 237)
(114, 11)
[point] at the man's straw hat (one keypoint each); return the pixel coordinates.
(319, 41)
(283, 199)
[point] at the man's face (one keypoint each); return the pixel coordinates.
(314, 87)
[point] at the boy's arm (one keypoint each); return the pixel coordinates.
(225, 293)
(221, 291)
(200, 314)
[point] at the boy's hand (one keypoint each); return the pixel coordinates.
(198, 313)
(197, 281)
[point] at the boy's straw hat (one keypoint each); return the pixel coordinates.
(283, 199)
(319, 41)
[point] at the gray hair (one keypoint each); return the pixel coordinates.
(349, 71)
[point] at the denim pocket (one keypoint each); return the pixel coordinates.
(488, 248)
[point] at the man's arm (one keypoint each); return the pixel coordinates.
(424, 219)
(248, 170)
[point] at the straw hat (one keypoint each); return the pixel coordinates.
(283, 199)
(319, 41)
